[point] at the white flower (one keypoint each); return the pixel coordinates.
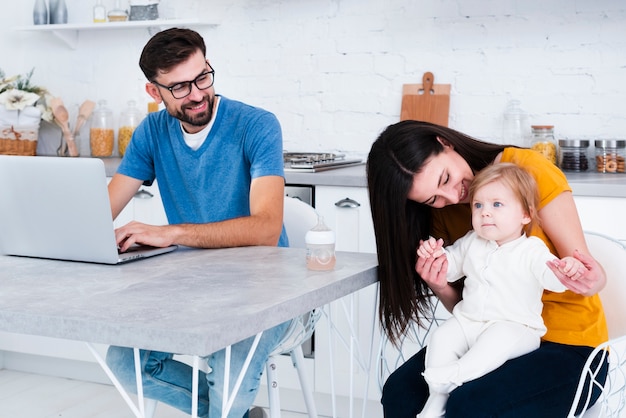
(8, 82)
(17, 99)
(17, 93)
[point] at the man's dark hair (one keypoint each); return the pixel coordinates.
(169, 48)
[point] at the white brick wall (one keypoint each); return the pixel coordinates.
(332, 70)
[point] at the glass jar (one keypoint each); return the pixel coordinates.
(610, 155)
(101, 133)
(117, 14)
(543, 141)
(573, 155)
(129, 120)
(515, 128)
(99, 12)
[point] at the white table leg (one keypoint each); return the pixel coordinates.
(195, 387)
(228, 400)
(139, 381)
(116, 383)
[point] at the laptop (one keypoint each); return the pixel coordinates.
(58, 208)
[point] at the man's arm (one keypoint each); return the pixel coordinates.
(121, 189)
(262, 227)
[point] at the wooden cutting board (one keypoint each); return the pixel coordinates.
(427, 102)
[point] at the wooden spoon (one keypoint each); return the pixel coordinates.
(84, 111)
(61, 117)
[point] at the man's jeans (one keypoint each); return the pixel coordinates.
(170, 381)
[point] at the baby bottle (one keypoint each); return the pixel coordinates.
(320, 247)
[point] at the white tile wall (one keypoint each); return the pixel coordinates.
(332, 70)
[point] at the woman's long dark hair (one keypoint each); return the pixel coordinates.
(399, 223)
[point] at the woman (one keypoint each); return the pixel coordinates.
(418, 178)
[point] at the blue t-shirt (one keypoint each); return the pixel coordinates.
(212, 183)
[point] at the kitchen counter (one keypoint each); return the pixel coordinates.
(583, 184)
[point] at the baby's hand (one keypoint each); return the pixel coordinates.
(430, 248)
(571, 267)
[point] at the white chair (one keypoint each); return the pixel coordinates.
(298, 218)
(611, 254)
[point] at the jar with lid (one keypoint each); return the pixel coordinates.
(101, 133)
(573, 155)
(515, 128)
(117, 14)
(610, 155)
(129, 120)
(320, 247)
(543, 141)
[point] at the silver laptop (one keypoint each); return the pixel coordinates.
(56, 207)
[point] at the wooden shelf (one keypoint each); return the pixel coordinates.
(68, 33)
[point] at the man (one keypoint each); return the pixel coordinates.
(220, 173)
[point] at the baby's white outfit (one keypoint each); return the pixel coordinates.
(499, 317)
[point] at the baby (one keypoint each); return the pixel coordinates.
(499, 317)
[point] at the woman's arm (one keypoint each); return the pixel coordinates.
(560, 222)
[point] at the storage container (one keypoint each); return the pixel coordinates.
(543, 141)
(129, 120)
(610, 155)
(573, 155)
(101, 133)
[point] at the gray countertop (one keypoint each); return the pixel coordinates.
(190, 301)
(583, 184)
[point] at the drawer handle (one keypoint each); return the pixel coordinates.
(347, 203)
(143, 194)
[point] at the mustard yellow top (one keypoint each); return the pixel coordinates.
(570, 318)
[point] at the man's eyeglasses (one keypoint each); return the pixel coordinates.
(183, 89)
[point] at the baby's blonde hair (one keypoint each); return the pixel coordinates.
(521, 183)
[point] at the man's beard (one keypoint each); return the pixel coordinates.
(200, 119)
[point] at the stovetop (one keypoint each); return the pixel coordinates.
(312, 162)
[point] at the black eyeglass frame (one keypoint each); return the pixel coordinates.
(188, 83)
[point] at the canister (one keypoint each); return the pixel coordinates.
(573, 154)
(610, 155)
(129, 120)
(101, 133)
(543, 141)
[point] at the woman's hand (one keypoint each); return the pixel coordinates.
(586, 280)
(430, 248)
(432, 264)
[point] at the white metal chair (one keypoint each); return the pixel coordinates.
(611, 254)
(416, 338)
(298, 218)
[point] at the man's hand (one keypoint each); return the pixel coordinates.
(139, 233)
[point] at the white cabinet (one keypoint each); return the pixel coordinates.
(346, 210)
(605, 215)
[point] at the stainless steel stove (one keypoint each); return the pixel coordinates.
(313, 162)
